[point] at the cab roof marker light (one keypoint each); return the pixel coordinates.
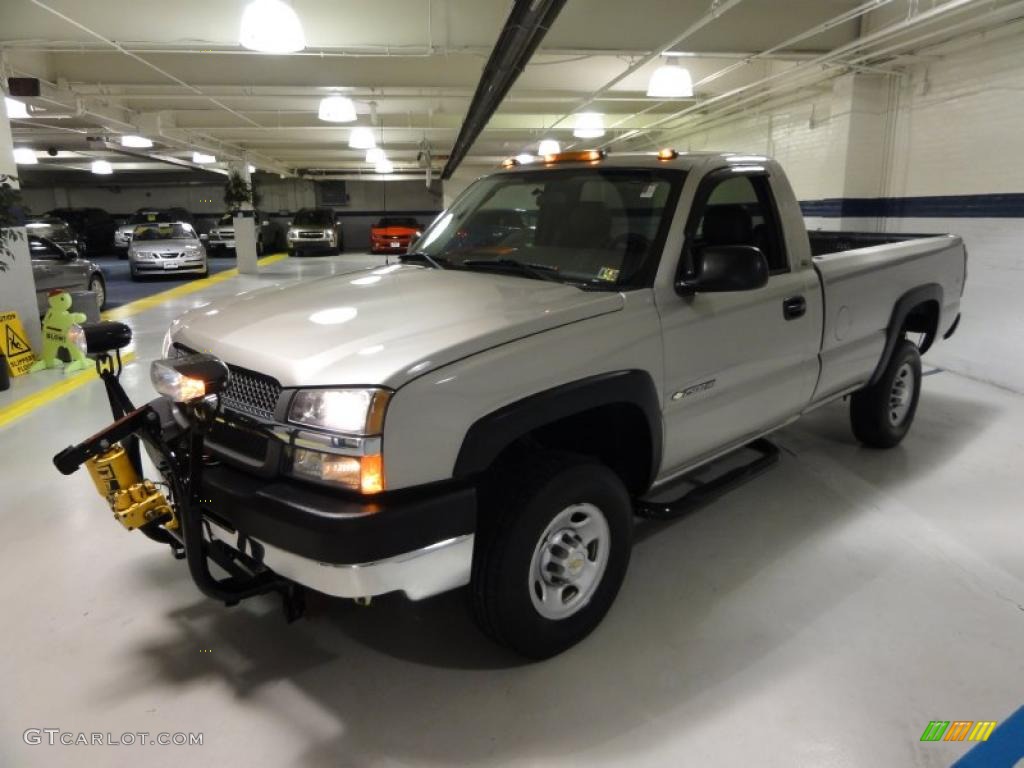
(667, 154)
(580, 156)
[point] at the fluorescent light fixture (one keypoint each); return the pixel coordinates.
(201, 158)
(670, 81)
(337, 109)
(250, 168)
(271, 26)
(25, 156)
(589, 125)
(102, 168)
(549, 147)
(384, 166)
(15, 108)
(138, 142)
(361, 138)
(525, 159)
(375, 155)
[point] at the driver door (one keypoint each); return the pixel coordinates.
(737, 363)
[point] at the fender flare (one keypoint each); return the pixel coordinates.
(904, 306)
(491, 434)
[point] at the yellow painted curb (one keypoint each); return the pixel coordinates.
(148, 302)
(29, 403)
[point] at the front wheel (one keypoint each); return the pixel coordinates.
(881, 414)
(99, 288)
(551, 553)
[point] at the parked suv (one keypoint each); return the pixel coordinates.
(315, 230)
(94, 226)
(221, 237)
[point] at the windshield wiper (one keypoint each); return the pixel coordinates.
(423, 256)
(539, 271)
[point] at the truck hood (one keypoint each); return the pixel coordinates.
(383, 326)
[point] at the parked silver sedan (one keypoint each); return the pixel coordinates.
(54, 268)
(166, 248)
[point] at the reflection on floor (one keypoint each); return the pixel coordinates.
(821, 615)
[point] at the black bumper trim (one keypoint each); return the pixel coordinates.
(331, 528)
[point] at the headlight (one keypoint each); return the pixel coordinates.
(352, 411)
(189, 378)
(293, 234)
(358, 473)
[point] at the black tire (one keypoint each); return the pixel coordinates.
(133, 274)
(517, 510)
(881, 414)
(99, 287)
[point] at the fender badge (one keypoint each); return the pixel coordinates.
(702, 387)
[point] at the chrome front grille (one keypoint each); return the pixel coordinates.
(248, 392)
(312, 235)
(251, 393)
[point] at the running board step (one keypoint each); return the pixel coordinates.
(706, 491)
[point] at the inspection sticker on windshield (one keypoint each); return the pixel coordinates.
(608, 274)
(649, 191)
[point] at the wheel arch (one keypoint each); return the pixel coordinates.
(625, 403)
(918, 310)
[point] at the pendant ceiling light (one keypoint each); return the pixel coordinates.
(102, 168)
(375, 155)
(384, 166)
(137, 142)
(361, 138)
(271, 26)
(25, 156)
(337, 109)
(15, 109)
(201, 158)
(251, 169)
(549, 147)
(670, 81)
(589, 125)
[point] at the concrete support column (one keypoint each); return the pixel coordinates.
(17, 285)
(245, 229)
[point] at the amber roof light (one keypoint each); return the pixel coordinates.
(667, 154)
(580, 156)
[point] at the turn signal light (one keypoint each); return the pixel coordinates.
(667, 154)
(580, 156)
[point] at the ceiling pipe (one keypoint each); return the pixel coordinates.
(843, 50)
(716, 10)
(527, 24)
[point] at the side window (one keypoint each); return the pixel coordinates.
(739, 210)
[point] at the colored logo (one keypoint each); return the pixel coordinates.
(958, 730)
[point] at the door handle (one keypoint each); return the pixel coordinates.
(793, 307)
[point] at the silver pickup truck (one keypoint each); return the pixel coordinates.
(567, 342)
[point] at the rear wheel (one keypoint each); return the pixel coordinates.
(881, 414)
(551, 554)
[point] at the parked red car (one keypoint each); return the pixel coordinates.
(393, 234)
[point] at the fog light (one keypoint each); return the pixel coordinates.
(189, 378)
(357, 473)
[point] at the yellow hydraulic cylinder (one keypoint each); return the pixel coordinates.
(134, 502)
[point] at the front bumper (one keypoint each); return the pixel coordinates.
(417, 542)
(168, 266)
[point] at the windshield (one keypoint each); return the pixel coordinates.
(55, 230)
(312, 217)
(163, 232)
(143, 217)
(601, 227)
(394, 221)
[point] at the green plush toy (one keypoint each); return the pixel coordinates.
(55, 334)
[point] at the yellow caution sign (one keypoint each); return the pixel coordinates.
(14, 344)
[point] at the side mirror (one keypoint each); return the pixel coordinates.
(722, 268)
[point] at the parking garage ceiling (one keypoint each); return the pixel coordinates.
(412, 66)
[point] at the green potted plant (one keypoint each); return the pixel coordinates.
(12, 215)
(237, 192)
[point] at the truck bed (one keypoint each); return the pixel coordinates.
(863, 280)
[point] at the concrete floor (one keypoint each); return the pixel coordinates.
(821, 615)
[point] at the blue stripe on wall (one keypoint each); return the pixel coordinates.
(999, 206)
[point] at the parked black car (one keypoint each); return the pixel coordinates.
(59, 231)
(94, 225)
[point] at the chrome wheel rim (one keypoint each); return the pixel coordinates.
(901, 395)
(569, 561)
(101, 295)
